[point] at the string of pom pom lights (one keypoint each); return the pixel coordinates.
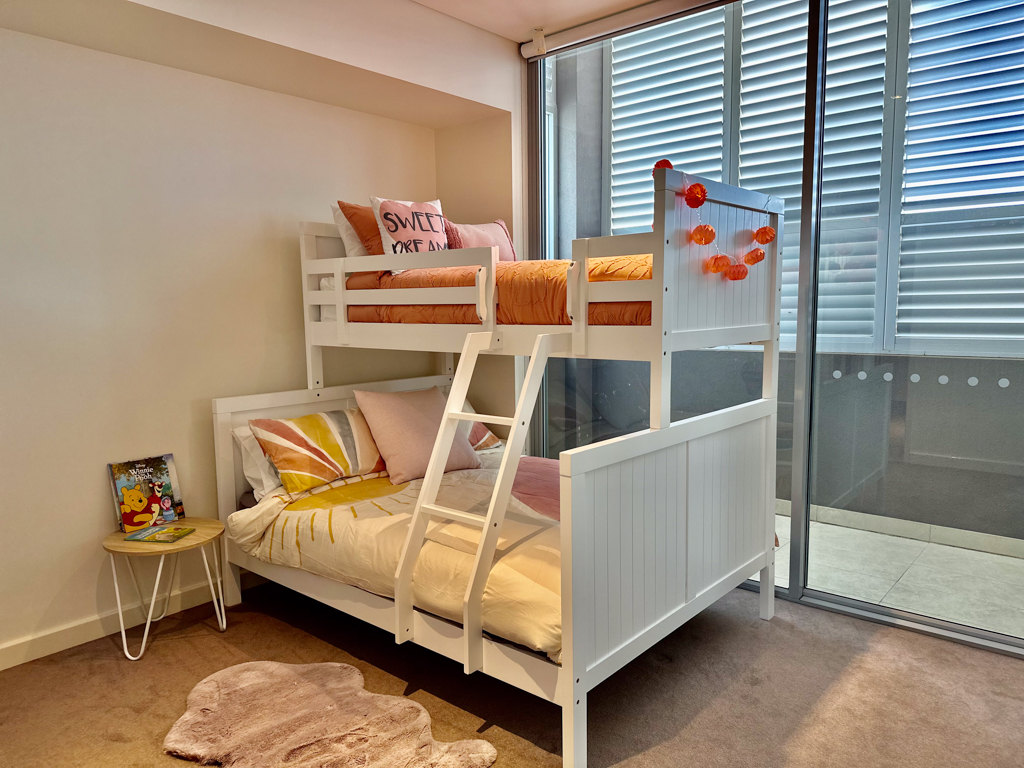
(695, 195)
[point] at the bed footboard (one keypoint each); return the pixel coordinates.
(656, 526)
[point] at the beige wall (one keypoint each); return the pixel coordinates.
(475, 183)
(148, 244)
(148, 253)
(474, 176)
(405, 40)
(400, 38)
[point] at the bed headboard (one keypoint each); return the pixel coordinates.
(231, 412)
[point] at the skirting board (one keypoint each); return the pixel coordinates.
(69, 635)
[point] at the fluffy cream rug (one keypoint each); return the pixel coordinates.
(265, 713)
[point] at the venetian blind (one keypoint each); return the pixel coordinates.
(667, 100)
(961, 270)
(772, 84)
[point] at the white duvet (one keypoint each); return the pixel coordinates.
(354, 533)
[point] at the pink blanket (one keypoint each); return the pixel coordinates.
(537, 485)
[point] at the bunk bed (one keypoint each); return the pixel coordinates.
(654, 526)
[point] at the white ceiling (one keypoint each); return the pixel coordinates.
(516, 19)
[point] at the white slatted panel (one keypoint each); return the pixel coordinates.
(661, 528)
(668, 99)
(774, 50)
(961, 271)
(711, 301)
(726, 492)
(773, 58)
(638, 530)
(850, 294)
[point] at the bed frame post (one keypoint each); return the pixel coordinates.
(770, 389)
(314, 354)
(574, 674)
(663, 309)
(224, 448)
(446, 363)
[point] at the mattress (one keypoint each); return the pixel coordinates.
(528, 293)
(354, 533)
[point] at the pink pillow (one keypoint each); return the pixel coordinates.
(407, 227)
(404, 425)
(481, 235)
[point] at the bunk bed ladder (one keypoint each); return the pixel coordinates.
(491, 523)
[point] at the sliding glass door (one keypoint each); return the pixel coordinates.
(917, 445)
(913, 452)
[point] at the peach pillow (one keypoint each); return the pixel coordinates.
(404, 426)
(481, 235)
(362, 221)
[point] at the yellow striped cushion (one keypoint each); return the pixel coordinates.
(312, 450)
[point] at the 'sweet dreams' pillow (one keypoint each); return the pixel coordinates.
(407, 227)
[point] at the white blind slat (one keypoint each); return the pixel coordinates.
(961, 270)
(667, 100)
(960, 186)
(654, 116)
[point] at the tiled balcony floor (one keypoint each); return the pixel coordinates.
(977, 589)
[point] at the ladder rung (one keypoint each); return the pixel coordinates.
(454, 514)
(483, 418)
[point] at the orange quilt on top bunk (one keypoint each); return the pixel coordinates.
(528, 293)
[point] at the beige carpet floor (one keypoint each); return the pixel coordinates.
(809, 689)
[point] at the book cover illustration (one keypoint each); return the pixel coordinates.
(146, 492)
(161, 534)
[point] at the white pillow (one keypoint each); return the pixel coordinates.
(261, 474)
(353, 245)
(328, 312)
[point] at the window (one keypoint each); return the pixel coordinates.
(960, 278)
(922, 245)
(667, 100)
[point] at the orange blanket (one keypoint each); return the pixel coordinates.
(528, 293)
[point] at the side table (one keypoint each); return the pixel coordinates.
(207, 531)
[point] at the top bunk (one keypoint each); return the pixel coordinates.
(622, 297)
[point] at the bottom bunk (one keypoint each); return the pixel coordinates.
(354, 532)
(654, 527)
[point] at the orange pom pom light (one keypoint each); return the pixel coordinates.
(695, 195)
(703, 234)
(764, 235)
(736, 272)
(754, 257)
(718, 263)
(663, 163)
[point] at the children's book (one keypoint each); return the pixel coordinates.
(146, 492)
(159, 533)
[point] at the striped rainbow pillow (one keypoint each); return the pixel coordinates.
(312, 450)
(481, 438)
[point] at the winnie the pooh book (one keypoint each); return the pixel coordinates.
(146, 492)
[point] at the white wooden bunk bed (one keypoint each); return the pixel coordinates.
(655, 525)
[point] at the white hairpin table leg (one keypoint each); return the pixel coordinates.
(218, 603)
(170, 586)
(149, 616)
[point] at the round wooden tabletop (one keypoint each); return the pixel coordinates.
(206, 530)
